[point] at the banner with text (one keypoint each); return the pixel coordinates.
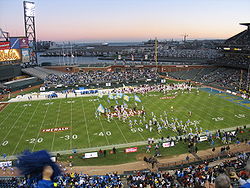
(4, 45)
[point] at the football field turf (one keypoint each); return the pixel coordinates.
(21, 123)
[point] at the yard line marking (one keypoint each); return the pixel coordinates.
(9, 114)
(57, 118)
(130, 144)
(158, 107)
(102, 126)
(216, 112)
(206, 112)
(161, 109)
(25, 127)
(71, 119)
(84, 115)
(13, 124)
(194, 99)
(44, 117)
(119, 127)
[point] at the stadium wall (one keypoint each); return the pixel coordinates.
(23, 84)
(161, 68)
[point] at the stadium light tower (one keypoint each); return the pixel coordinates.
(246, 24)
(156, 53)
(4, 34)
(30, 32)
(184, 37)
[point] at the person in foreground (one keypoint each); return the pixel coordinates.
(244, 182)
(46, 181)
(222, 181)
(39, 168)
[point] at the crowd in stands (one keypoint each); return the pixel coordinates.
(83, 180)
(100, 77)
(195, 176)
(67, 180)
(190, 53)
(235, 171)
(240, 61)
(227, 78)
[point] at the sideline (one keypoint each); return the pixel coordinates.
(141, 165)
(5, 96)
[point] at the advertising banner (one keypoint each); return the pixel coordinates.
(163, 80)
(131, 150)
(57, 129)
(23, 42)
(4, 45)
(14, 43)
(42, 88)
(168, 144)
(25, 55)
(203, 138)
(10, 55)
(90, 155)
(6, 164)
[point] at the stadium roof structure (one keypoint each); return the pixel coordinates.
(246, 24)
(242, 38)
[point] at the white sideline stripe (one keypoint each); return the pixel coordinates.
(25, 127)
(57, 118)
(84, 115)
(71, 119)
(60, 96)
(39, 131)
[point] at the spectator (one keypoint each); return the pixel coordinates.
(244, 182)
(114, 150)
(222, 181)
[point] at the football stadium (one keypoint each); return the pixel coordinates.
(157, 113)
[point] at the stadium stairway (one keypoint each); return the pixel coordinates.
(203, 72)
(190, 74)
(50, 71)
(177, 74)
(40, 72)
(34, 72)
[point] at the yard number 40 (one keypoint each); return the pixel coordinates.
(4, 143)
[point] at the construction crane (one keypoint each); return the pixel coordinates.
(185, 37)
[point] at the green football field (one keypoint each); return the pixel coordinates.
(21, 123)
